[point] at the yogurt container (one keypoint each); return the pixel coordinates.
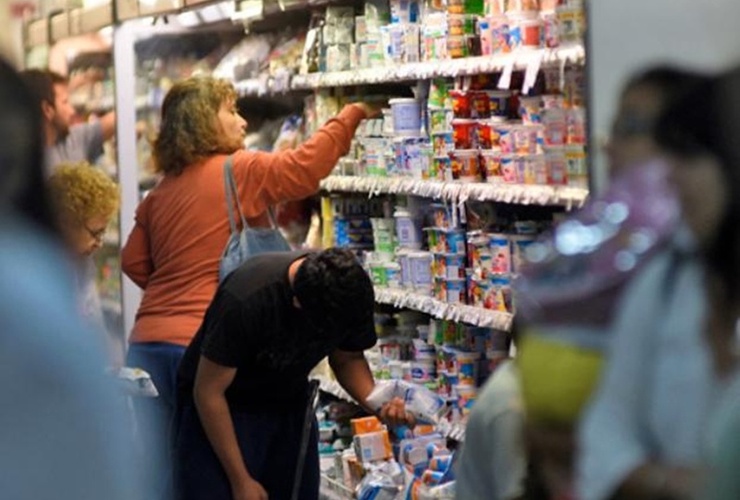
(465, 165)
(423, 370)
(464, 133)
(508, 169)
(406, 116)
(393, 274)
(455, 289)
(461, 106)
(408, 232)
(455, 241)
(500, 249)
(421, 271)
(466, 395)
(490, 165)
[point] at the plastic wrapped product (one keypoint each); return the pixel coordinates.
(423, 404)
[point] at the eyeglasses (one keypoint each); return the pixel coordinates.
(96, 235)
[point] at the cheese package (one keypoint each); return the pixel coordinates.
(373, 446)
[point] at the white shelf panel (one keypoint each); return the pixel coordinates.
(454, 312)
(567, 196)
(440, 68)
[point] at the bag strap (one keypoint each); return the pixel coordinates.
(231, 192)
(232, 195)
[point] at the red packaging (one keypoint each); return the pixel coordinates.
(480, 105)
(461, 106)
(464, 133)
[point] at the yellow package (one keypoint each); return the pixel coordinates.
(557, 378)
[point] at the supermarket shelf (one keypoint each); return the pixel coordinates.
(264, 85)
(454, 312)
(440, 68)
(567, 196)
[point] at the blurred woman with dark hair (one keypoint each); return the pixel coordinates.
(645, 435)
(701, 134)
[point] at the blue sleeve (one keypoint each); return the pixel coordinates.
(493, 464)
(94, 141)
(612, 434)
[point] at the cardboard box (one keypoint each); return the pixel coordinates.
(373, 446)
(365, 425)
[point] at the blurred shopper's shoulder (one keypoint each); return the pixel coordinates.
(493, 463)
(61, 420)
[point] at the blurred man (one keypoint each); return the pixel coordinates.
(66, 142)
(61, 427)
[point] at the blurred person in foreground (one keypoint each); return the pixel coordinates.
(174, 250)
(645, 433)
(565, 308)
(61, 426)
(700, 134)
(66, 142)
(242, 385)
(85, 200)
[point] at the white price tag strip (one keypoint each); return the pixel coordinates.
(530, 74)
(458, 192)
(504, 83)
(453, 312)
(440, 68)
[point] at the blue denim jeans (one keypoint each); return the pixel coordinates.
(269, 444)
(154, 416)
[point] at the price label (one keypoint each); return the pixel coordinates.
(504, 83)
(530, 75)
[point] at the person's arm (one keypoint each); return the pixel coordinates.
(653, 480)
(209, 393)
(354, 375)
(294, 174)
(136, 261)
(108, 125)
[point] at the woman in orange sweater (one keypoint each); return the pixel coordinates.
(182, 226)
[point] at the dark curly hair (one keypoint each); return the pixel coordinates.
(189, 129)
(334, 290)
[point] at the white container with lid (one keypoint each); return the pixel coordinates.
(408, 231)
(406, 116)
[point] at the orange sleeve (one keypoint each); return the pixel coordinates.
(136, 261)
(270, 178)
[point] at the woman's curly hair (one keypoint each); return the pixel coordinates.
(189, 129)
(80, 191)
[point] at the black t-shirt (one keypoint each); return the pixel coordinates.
(253, 326)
